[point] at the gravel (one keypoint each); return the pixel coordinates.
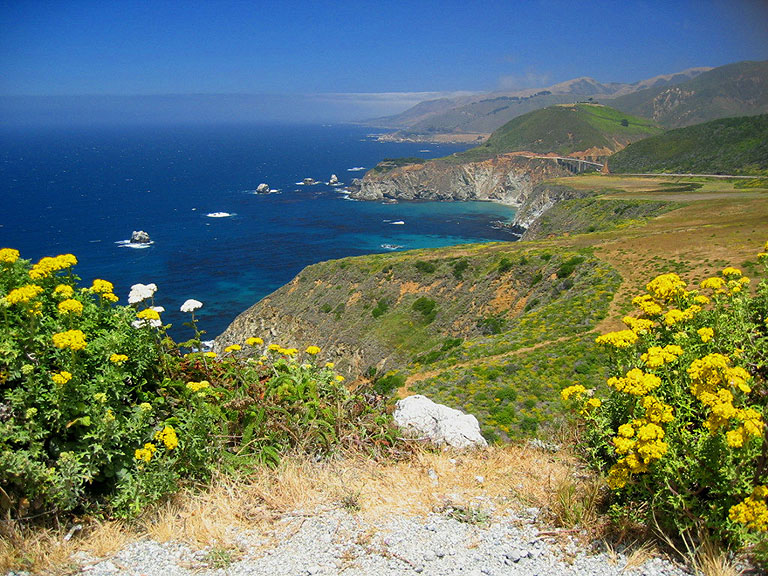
(335, 541)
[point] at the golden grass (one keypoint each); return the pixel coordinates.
(493, 479)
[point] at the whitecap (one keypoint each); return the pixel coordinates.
(219, 214)
(397, 222)
(134, 245)
(356, 169)
(391, 246)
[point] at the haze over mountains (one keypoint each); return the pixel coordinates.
(680, 99)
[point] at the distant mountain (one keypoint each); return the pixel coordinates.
(739, 89)
(586, 130)
(724, 146)
(484, 113)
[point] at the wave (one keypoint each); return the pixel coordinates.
(356, 169)
(219, 214)
(134, 245)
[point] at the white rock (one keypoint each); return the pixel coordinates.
(262, 188)
(440, 424)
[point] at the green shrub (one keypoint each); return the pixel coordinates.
(681, 433)
(567, 267)
(427, 307)
(505, 265)
(459, 268)
(388, 383)
(492, 325)
(381, 307)
(424, 267)
(98, 407)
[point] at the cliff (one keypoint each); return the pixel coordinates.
(507, 178)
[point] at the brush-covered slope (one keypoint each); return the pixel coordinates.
(576, 129)
(739, 89)
(725, 146)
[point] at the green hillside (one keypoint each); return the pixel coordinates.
(564, 130)
(726, 146)
(739, 89)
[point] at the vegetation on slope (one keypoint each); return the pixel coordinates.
(733, 90)
(725, 146)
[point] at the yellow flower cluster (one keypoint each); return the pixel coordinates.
(282, 351)
(47, 266)
(636, 382)
(656, 411)
(233, 348)
(145, 454)
(198, 386)
(104, 289)
(168, 437)
(254, 341)
(706, 334)
(638, 325)
(648, 305)
(64, 290)
(61, 377)
(675, 316)
(148, 314)
(70, 306)
(752, 511)
(576, 390)
(732, 282)
(8, 255)
(658, 356)
(73, 339)
(23, 294)
(666, 287)
(642, 442)
(118, 358)
(312, 350)
(620, 339)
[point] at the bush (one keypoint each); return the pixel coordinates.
(681, 433)
(459, 268)
(427, 307)
(381, 307)
(424, 267)
(98, 407)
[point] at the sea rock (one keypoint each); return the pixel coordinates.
(140, 237)
(309, 181)
(442, 425)
(334, 179)
(262, 188)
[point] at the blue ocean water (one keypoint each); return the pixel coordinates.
(82, 191)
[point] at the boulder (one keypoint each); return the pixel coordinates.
(140, 237)
(442, 425)
(334, 179)
(262, 188)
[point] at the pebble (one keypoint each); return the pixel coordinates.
(327, 543)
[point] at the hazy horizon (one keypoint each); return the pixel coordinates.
(113, 61)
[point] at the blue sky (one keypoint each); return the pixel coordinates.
(69, 47)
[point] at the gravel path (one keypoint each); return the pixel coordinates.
(338, 542)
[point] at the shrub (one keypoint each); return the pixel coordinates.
(505, 265)
(424, 267)
(388, 383)
(681, 432)
(427, 307)
(567, 267)
(98, 407)
(459, 268)
(381, 307)
(492, 325)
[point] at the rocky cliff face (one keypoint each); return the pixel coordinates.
(508, 178)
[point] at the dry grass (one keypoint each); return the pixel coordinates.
(492, 479)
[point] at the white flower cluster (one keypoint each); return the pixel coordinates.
(140, 292)
(191, 305)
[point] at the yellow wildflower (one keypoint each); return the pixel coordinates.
(148, 314)
(330, 365)
(648, 305)
(23, 294)
(340, 378)
(752, 511)
(638, 325)
(145, 407)
(254, 341)
(232, 348)
(620, 339)
(706, 334)
(8, 255)
(102, 287)
(701, 299)
(666, 287)
(198, 386)
(658, 356)
(312, 350)
(70, 306)
(273, 347)
(73, 339)
(636, 382)
(731, 271)
(64, 290)
(168, 437)
(714, 283)
(47, 266)
(657, 411)
(210, 354)
(118, 358)
(576, 389)
(145, 454)
(61, 377)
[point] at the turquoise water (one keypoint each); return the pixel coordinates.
(84, 191)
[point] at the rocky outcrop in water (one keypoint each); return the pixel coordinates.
(508, 178)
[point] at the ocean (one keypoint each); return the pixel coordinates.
(192, 189)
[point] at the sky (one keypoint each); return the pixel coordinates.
(362, 57)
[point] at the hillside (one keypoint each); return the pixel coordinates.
(586, 130)
(484, 113)
(739, 89)
(497, 329)
(726, 146)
